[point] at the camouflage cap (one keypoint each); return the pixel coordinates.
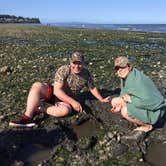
(121, 61)
(76, 56)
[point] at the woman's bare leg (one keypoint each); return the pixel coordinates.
(143, 126)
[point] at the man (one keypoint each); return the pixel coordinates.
(68, 82)
(140, 102)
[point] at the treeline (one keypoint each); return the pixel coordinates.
(13, 19)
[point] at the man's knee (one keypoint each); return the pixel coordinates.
(66, 111)
(58, 110)
(65, 108)
(40, 87)
(37, 85)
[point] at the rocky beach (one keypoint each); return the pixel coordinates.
(96, 137)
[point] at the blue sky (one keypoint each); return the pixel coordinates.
(93, 11)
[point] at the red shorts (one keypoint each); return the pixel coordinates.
(52, 99)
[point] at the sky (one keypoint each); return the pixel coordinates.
(88, 11)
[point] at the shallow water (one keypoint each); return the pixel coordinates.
(156, 154)
(33, 154)
(88, 128)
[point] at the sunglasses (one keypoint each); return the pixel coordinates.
(77, 63)
(119, 67)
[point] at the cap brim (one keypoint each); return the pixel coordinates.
(121, 65)
(76, 61)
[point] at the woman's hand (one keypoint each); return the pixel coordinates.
(126, 98)
(117, 103)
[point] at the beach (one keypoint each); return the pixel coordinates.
(33, 53)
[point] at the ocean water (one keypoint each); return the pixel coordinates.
(155, 28)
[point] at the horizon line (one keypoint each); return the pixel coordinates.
(82, 22)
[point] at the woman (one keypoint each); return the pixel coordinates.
(139, 102)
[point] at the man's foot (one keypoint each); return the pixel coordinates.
(37, 111)
(24, 121)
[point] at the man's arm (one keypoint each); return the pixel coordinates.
(60, 94)
(97, 94)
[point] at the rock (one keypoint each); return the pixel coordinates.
(119, 149)
(5, 70)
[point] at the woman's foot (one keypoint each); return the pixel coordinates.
(139, 133)
(146, 128)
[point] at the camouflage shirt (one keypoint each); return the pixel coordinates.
(73, 83)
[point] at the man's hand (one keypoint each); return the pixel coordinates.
(76, 106)
(98, 96)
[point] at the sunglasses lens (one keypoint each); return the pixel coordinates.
(117, 67)
(77, 63)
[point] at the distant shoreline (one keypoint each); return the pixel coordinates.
(8, 19)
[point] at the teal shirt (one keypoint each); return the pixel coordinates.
(143, 92)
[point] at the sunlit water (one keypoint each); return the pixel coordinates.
(156, 28)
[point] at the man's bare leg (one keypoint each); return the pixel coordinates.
(37, 91)
(60, 109)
